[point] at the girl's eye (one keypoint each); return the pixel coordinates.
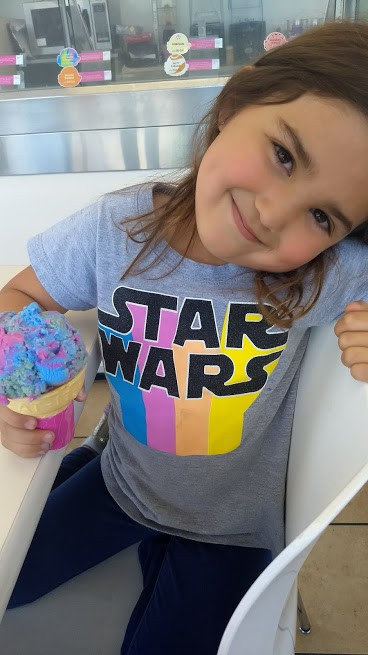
(284, 158)
(323, 221)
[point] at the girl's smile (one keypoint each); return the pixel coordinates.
(281, 183)
(242, 225)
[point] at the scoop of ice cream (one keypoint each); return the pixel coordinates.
(38, 351)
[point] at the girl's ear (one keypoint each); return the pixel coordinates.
(224, 116)
(221, 121)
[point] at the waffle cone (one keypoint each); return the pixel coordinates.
(49, 403)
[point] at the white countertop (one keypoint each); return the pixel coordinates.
(25, 483)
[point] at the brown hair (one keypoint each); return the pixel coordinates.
(330, 61)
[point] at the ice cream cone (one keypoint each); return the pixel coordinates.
(54, 410)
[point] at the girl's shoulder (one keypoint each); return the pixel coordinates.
(128, 201)
(350, 258)
(350, 244)
(346, 279)
(135, 200)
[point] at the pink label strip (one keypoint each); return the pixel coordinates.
(9, 80)
(93, 76)
(202, 44)
(91, 56)
(201, 64)
(8, 60)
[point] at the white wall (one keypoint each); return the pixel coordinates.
(11, 9)
(139, 12)
(31, 203)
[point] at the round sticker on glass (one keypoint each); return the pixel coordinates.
(69, 76)
(175, 66)
(178, 44)
(68, 57)
(274, 40)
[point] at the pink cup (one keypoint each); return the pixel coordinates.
(61, 424)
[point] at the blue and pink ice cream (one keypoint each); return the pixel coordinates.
(39, 350)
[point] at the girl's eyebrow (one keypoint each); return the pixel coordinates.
(347, 223)
(303, 155)
(310, 166)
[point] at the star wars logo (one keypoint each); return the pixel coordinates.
(196, 322)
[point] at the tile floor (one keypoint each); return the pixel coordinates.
(334, 579)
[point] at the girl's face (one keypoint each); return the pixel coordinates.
(281, 183)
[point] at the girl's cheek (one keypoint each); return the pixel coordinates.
(295, 253)
(249, 173)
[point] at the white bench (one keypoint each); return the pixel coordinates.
(25, 483)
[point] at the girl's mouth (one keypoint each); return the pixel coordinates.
(242, 226)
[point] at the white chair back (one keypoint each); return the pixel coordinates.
(329, 445)
(328, 465)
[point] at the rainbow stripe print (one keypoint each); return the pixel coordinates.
(184, 385)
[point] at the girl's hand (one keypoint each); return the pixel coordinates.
(20, 435)
(352, 332)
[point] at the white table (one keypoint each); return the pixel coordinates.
(25, 483)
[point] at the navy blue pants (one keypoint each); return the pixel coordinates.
(190, 590)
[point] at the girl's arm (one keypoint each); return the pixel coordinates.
(352, 332)
(18, 432)
(23, 289)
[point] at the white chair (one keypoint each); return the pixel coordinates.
(328, 465)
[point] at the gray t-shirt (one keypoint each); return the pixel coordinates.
(202, 389)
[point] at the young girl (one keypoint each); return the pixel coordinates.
(206, 291)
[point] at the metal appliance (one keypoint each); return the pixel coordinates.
(55, 24)
(96, 17)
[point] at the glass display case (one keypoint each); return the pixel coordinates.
(102, 85)
(125, 41)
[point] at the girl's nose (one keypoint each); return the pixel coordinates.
(277, 211)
